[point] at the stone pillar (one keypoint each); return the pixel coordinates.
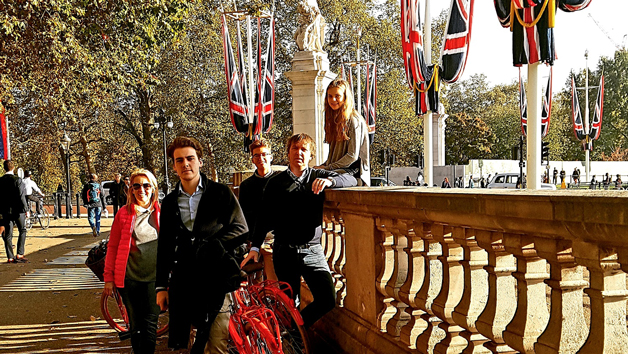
(438, 136)
(310, 77)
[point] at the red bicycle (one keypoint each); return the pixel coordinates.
(114, 312)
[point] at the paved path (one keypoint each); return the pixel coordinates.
(51, 304)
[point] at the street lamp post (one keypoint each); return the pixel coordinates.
(164, 123)
(68, 196)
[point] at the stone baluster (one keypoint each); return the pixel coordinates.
(475, 289)
(399, 229)
(450, 292)
(532, 315)
(334, 248)
(501, 304)
(567, 329)
(386, 272)
(429, 290)
(607, 292)
(417, 274)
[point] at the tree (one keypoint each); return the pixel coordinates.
(466, 138)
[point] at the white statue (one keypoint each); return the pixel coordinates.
(310, 34)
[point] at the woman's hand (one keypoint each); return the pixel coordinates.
(252, 255)
(109, 286)
(162, 300)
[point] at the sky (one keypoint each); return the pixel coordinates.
(490, 51)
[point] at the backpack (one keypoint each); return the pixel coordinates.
(93, 193)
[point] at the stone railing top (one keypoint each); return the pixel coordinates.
(589, 216)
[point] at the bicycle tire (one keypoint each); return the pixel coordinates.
(259, 342)
(44, 219)
(294, 339)
(114, 313)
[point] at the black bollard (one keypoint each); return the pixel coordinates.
(78, 207)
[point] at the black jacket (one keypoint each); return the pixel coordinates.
(292, 210)
(13, 201)
(198, 267)
(251, 194)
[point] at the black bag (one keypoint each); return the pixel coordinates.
(96, 259)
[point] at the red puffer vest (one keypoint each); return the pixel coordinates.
(120, 244)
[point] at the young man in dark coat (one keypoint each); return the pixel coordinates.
(252, 188)
(201, 227)
(293, 209)
(13, 210)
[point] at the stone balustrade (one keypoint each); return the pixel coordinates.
(477, 271)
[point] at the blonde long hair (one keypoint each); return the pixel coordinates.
(337, 122)
(131, 201)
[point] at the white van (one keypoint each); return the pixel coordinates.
(510, 180)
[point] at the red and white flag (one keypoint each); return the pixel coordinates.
(237, 104)
(596, 124)
(264, 112)
(576, 115)
(457, 38)
(5, 153)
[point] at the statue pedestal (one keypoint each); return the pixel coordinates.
(310, 77)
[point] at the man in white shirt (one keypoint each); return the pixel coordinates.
(33, 192)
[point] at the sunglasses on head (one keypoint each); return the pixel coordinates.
(146, 186)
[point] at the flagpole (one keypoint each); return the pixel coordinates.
(359, 93)
(251, 94)
(8, 154)
(428, 159)
(533, 151)
(587, 169)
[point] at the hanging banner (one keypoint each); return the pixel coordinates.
(576, 115)
(237, 105)
(596, 124)
(265, 109)
(546, 112)
(455, 50)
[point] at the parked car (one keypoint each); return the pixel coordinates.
(381, 181)
(510, 180)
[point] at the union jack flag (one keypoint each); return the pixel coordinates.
(546, 109)
(546, 112)
(370, 104)
(412, 41)
(427, 95)
(596, 124)
(264, 112)
(523, 106)
(242, 72)
(457, 38)
(532, 44)
(4, 136)
(576, 115)
(237, 104)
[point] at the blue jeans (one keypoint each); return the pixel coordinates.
(141, 304)
(291, 263)
(93, 216)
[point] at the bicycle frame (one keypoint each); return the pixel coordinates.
(249, 316)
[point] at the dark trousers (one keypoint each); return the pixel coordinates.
(38, 202)
(291, 263)
(18, 220)
(141, 304)
(115, 208)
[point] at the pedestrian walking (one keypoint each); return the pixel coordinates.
(201, 226)
(114, 193)
(471, 183)
(554, 176)
(130, 265)
(445, 183)
(292, 206)
(94, 200)
(419, 179)
(13, 210)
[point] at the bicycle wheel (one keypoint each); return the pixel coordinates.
(293, 335)
(114, 312)
(44, 219)
(28, 222)
(260, 342)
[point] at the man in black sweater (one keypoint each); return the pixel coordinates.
(13, 211)
(292, 206)
(252, 188)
